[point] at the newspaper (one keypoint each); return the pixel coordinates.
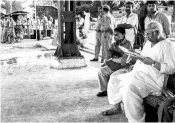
(131, 53)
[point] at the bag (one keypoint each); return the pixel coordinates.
(113, 65)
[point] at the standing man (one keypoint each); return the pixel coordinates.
(153, 14)
(11, 31)
(86, 21)
(142, 13)
(107, 28)
(45, 21)
(38, 28)
(2, 27)
(28, 27)
(130, 22)
(98, 38)
(6, 29)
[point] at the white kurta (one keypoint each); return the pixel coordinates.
(87, 21)
(133, 20)
(142, 80)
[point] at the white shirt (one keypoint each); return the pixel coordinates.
(87, 20)
(133, 20)
(81, 21)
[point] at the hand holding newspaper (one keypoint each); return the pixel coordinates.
(131, 54)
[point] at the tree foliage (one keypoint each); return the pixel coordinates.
(94, 5)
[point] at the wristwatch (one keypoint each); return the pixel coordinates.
(153, 64)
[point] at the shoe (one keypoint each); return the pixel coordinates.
(102, 60)
(102, 94)
(94, 59)
(103, 65)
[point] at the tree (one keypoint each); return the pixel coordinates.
(94, 5)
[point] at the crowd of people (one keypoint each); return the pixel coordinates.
(13, 31)
(127, 79)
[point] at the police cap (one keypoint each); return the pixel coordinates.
(106, 7)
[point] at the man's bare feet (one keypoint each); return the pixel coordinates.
(114, 110)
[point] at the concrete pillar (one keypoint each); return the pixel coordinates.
(59, 22)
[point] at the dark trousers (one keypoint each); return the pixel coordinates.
(38, 35)
(49, 33)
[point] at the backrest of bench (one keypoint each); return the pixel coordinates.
(171, 83)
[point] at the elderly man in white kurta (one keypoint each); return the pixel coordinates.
(147, 76)
(130, 22)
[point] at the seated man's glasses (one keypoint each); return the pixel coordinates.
(148, 34)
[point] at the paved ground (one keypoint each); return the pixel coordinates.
(32, 91)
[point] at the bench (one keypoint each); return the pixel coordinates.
(151, 102)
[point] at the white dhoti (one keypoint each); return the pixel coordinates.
(131, 91)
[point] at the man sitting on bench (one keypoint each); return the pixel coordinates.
(117, 61)
(147, 76)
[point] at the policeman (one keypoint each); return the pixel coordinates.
(107, 28)
(98, 38)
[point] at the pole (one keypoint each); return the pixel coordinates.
(59, 24)
(58, 51)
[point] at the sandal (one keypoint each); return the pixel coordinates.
(112, 111)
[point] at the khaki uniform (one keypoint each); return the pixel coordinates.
(98, 38)
(107, 28)
(5, 31)
(11, 35)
